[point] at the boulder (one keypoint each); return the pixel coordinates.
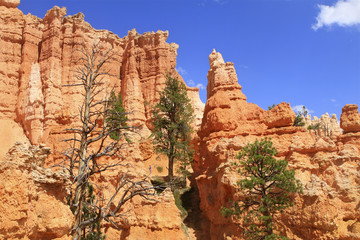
(350, 118)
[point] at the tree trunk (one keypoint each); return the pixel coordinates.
(171, 169)
(82, 176)
(266, 213)
(171, 160)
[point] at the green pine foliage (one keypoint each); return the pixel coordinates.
(271, 107)
(92, 232)
(267, 186)
(172, 117)
(299, 119)
(298, 122)
(116, 116)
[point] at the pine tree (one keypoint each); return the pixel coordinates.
(172, 117)
(267, 186)
(116, 116)
(300, 116)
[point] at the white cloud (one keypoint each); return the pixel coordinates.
(204, 2)
(299, 108)
(191, 83)
(181, 70)
(220, 1)
(333, 100)
(200, 86)
(344, 13)
(244, 66)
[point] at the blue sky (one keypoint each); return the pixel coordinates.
(298, 51)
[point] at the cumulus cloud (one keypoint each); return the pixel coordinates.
(219, 1)
(204, 2)
(299, 108)
(181, 70)
(200, 86)
(191, 83)
(344, 13)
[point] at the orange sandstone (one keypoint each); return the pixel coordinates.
(327, 167)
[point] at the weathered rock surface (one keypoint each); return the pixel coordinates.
(280, 116)
(350, 118)
(33, 204)
(40, 55)
(9, 3)
(327, 167)
(37, 59)
(329, 126)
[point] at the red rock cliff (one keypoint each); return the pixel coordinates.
(327, 167)
(38, 57)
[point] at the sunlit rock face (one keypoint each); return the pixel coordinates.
(327, 166)
(38, 58)
(350, 118)
(329, 126)
(33, 198)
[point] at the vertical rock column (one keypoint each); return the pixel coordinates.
(11, 25)
(50, 64)
(30, 103)
(34, 111)
(130, 84)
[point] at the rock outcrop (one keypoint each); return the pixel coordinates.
(327, 167)
(10, 3)
(350, 118)
(37, 62)
(328, 127)
(33, 204)
(37, 59)
(40, 56)
(280, 116)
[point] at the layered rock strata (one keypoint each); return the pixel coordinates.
(40, 56)
(33, 204)
(37, 62)
(327, 167)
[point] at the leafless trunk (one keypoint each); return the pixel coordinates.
(91, 141)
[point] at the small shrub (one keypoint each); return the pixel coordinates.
(159, 184)
(271, 107)
(178, 202)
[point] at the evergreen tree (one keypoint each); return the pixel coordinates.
(92, 232)
(172, 117)
(267, 185)
(300, 116)
(116, 116)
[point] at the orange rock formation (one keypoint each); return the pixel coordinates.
(37, 59)
(40, 55)
(327, 167)
(350, 118)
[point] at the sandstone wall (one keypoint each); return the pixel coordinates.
(38, 58)
(327, 167)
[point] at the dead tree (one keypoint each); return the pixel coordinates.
(91, 143)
